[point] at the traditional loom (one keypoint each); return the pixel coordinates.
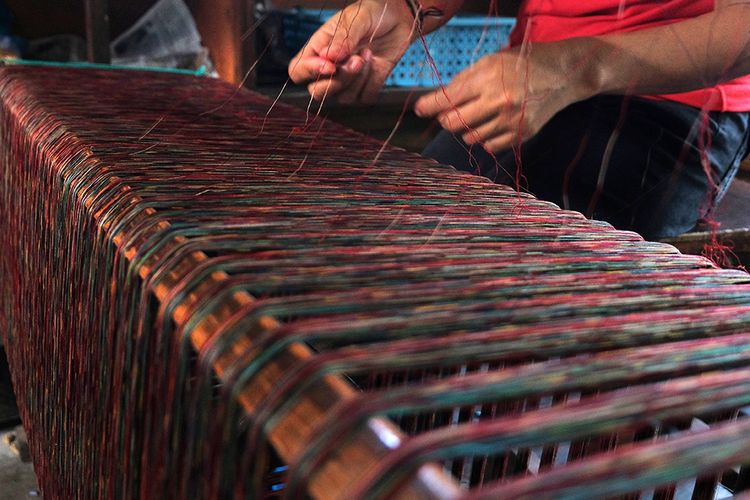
(206, 296)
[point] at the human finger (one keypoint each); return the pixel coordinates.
(335, 42)
(500, 142)
(352, 92)
(348, 31)
(343, 78)
(309, 68)
(372, 87)
(380, 68)
(299, 69)
(467, 116)
(484, 132)
(442, 99)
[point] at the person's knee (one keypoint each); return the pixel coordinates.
(451, 150)
(447, 149)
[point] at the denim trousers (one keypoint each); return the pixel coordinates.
(640, 164)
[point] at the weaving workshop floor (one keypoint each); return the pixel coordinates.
(17, 478)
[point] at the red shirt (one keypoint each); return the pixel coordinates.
(552, 20)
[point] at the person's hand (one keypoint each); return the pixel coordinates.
(351, 55)
(504, 98)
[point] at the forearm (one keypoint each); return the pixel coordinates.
(508, 97)
(680, 57)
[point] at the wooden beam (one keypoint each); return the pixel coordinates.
(97, 31)
(222, 25)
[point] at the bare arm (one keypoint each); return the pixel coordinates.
(506, 98)
(683, 56)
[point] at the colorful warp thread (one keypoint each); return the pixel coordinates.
(205, 299)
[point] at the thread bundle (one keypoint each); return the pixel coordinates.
(209, 296)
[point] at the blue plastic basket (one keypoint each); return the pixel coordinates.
(458, 44)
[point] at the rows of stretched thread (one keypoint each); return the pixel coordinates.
(382, 266)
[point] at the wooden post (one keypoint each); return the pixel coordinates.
(97, 31)
(222, 25)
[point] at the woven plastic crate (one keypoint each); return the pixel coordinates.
(455, 46)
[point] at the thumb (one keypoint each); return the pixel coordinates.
(350, 32)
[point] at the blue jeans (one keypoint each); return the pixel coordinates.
(633, 162)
